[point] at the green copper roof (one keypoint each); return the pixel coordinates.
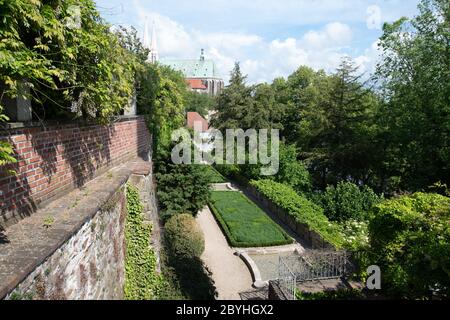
(193, 68)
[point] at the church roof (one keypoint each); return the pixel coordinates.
(193, 68)
(196, 84)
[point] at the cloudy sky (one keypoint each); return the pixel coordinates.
(270, 38)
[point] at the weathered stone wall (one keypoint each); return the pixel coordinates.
(89, 266)
(81, 255)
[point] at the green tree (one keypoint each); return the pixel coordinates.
(199, 102)
(414, 74)
(333, 123)
(182, 188)
(348, 201)
(234, 103)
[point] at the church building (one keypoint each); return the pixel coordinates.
(201, 74)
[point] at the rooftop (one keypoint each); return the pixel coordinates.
(194, 68)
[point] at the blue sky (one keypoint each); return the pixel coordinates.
(269, 38)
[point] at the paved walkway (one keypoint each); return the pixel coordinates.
(229, 272)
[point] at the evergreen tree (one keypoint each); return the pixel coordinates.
(234, 103)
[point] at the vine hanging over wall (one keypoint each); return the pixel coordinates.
(141, 280)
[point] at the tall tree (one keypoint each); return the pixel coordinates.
(415, 76)
(234, 103)
(335, 127)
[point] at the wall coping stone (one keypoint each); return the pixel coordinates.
(49, 123)
(27, 244)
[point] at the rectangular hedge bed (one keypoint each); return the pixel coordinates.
(244, 223)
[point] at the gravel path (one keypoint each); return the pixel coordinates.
(229, 272)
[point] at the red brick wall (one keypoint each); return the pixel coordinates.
(58, 158)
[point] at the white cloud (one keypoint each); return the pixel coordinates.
(261, 59)
(333, 34)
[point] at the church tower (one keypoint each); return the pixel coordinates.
(151, 44)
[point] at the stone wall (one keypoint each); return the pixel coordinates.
(56, 158)
(81, 253)
(88, 266)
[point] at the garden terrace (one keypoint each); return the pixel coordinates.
(244, 223)
(306, 218)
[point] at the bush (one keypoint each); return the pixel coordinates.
(181, 188)
(303, 210)
(293, 172)
(347, 201)
(410, 242)
(184, 237)
(64, 51)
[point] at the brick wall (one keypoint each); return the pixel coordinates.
(60, 157)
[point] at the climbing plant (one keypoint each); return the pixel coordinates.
(66, 56)
(141, 280)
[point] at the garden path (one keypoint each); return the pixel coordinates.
(229, 272)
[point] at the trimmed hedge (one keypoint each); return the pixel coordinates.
(184, 237)
(244, 223)
(301, 209)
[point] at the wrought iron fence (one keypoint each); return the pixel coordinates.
(311, 265)
(286, 278)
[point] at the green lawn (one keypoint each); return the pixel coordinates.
(214, 175)
(244, 223)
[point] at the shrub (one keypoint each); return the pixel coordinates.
(347, 201)
(184, 237)
(356, 234)
(181, 188)
(303, 210)
(293, 172)
(65, 53)
(410, 241)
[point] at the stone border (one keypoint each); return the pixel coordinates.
(254, 270)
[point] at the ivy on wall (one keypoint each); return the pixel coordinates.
(141, 280)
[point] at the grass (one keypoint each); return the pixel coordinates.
(214, 176)
(244, 223)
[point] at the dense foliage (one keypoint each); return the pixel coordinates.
(188, 277)
(213, 175)
(141, 280)
(184, 237)
(199, 102)
(300, 208)
(339, 294)
(67, 57)
(410, 241)
(244, 223)
(181, 188)
(415, 81)
(347, 201)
